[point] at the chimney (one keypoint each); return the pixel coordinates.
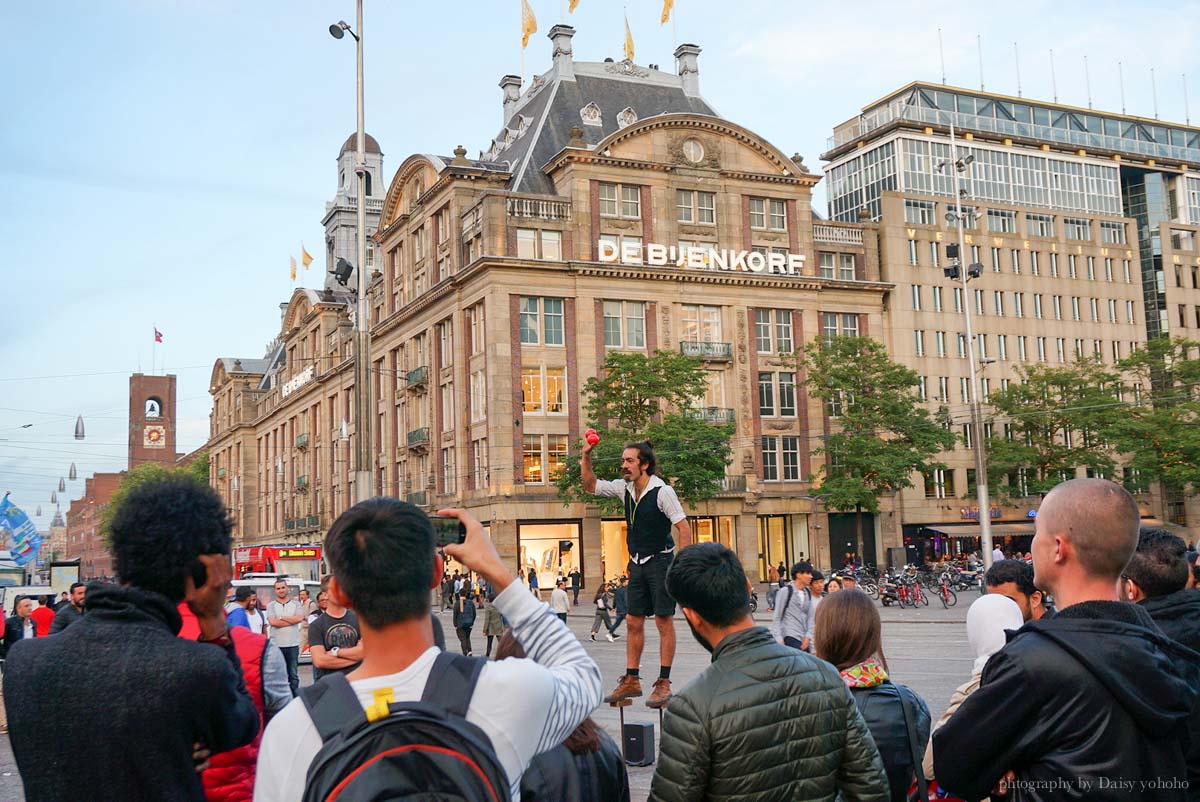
(564, 64)
(511, 84)
(689, 72)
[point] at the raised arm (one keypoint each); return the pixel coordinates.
(587, 475)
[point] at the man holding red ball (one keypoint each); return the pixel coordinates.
(652, 511)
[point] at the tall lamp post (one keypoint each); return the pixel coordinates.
(974, 270)
(362, 333)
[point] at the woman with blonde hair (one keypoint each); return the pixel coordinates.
(848, 634)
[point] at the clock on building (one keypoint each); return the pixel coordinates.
(154, 437)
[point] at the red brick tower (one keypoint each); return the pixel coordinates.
(151, 419)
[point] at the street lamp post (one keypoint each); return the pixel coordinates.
(972, 271)
(362, 332)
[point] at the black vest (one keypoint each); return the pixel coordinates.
(649, 531)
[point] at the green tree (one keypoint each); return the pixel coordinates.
(640, 397)
(197, 470)
(881, 434)
(1054, 420)
(1160, 429)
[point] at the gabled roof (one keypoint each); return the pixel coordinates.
(612, 94)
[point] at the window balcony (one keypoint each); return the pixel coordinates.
(718, 416)
(302, 483)
(418, 439)
(419, 499)
(709, 352)
(417, 379)
(302, 441)
(314, 520)
(733, 485)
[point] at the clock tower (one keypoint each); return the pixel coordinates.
(151, 419)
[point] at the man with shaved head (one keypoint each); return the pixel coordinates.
(1092, 703)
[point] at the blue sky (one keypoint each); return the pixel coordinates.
(161, 159)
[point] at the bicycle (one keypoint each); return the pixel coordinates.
(949, 597)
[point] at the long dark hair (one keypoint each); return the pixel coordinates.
(645, 450)
(848, 630)
(586, 737)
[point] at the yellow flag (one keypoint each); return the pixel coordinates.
(628, 41)
(667, 6)
(528, 23)
(305, 257)
(571, 7)
(293, 260)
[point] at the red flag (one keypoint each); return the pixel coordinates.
(157, 335)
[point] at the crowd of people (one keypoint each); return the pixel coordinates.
(155, 688)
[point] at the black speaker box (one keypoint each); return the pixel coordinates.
(639, 744)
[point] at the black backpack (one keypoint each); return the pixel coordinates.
(424, 750)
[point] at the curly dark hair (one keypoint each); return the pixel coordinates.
(1018, 571)
(160, 529)
(645, 450)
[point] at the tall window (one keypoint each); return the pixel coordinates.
(770, 462)
(773, 331)
(541, 321)
(1002, 221)
(998, 298)
(1019, 304)
(624, 324)
(695, 207)
(846, 266)
(912, 252)
(1022, 354)
(940, 338)
(447, 470)
(768, 213)
(939, 483)
(475, 327)
(478, 392)
(445, 343)
(1112, 232)
(828, 270)
(700, 323)
(620, 200)
(1077, 228)
(479, 463)
(937, 299)
(791, 459)
(834, 324)
(768, 385)
(544, 390)
(1002, 346)
(919, 342)
(1035, 265)
(1037, 306)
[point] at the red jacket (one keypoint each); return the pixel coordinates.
(230, 775)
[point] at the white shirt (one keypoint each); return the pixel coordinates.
(257, 622)
(559, 602)
(997, 555)
(668, 502)
(289, 635)
(524, 706)
(27, 629)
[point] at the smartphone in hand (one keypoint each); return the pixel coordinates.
(447, 531)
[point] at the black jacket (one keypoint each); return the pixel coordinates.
(882, 709)
(1073, 704)
(1178, 616)
(13, 631)
(766, 723)
(122, 699)
(560, 776)
(621, 600)
(66, 615)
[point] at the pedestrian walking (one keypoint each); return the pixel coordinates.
(652, 515)
(601, 603)
(793, 620)
(761, 721)
(1095, 692)
(307, 608)
(284, 617)
(559, 603)
(493, 624)
(464, 619)
(533, 581)
(620, 602)
(43, 615)
(848, 635)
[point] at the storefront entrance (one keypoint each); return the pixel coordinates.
(844, 544)
(550, 549)
(781, 539)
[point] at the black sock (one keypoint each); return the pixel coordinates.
(664, 672)
(631, 672)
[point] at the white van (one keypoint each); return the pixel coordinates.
(264, 588)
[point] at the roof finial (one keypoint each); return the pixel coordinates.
(460, 157)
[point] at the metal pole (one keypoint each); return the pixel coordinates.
(362, 332)
(981, 483)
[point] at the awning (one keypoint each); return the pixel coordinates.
(972, 530)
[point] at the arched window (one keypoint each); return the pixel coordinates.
(153, 408)
(367, 183)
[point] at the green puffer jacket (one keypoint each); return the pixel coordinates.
(766, 723)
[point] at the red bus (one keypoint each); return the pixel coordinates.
(303, 562)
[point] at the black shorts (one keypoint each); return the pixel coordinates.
(648, 587)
